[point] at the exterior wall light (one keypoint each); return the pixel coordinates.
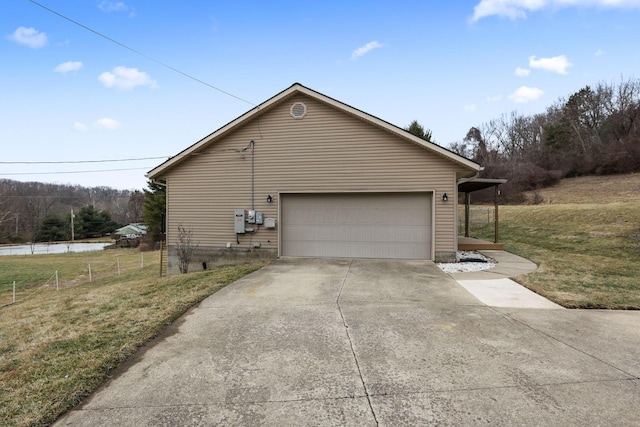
(445, 197)
(269, 198)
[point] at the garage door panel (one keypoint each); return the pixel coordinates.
(358, 233)
(385, 225)
(348, 249)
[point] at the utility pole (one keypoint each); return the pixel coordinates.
(72, 231)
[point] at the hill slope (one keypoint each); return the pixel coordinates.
(593, 190)
(585, 238)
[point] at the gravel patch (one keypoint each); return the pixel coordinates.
(468, 261)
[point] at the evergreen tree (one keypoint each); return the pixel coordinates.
(418, 130)
(53, 228)
(153, 210)
(94, 223)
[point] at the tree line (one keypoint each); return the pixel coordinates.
(595, 131)
(34, 211)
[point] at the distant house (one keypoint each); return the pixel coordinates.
(305, 175)
(129, 235)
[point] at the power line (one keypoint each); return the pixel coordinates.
(65, 172)
(48, 196)
(82, 161)
(140, 54)
(60, 162)
(137, 52)
(135, 159)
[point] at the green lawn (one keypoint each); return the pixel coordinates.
(56, 347)
(588, 254)
(32, 271)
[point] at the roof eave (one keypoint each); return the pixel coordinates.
(157, 172)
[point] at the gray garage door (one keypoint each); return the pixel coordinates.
(359, 225)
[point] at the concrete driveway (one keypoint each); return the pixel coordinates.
(366, 342)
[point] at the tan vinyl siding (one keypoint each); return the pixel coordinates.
(327, 151)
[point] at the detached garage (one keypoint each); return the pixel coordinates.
(305, 175)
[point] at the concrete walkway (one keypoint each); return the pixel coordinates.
(495, 288)
(365, 343)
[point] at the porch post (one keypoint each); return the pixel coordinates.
(497, 193)
(467, 202)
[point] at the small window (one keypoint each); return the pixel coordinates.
(298, 110)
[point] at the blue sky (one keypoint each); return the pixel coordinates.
(70, 95)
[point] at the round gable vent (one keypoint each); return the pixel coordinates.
(298, 110)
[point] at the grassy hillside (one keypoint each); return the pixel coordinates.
(585, 237)
(56, 347)
(599, 190)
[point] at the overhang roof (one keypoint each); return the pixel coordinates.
(469, 185)
(296, 88)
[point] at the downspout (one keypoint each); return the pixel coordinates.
(252, 144)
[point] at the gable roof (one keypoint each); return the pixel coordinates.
(297, 88)
(134, 228)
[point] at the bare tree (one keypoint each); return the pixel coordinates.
(185, 248)
(134, 206)
(596, 130)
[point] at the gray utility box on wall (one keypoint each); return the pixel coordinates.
(239, 221)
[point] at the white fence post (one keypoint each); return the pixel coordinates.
(14, 291)
(89, 272)
(57, 287)
(118, 259)
(142, 260)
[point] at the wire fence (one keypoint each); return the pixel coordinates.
(82, 273)
(479, 217)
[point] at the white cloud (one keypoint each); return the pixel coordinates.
(66, 67)
(504, 9)
(29, 37)
(112, 6)
(108, 124)
(80, 127)
(494, 98)
(522, 72)
(517, 9)
(362, 50)
(126, 78)
(525, 94)
(557, 64)
(599, 52)
(470, 108)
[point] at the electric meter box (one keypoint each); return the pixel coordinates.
(251, 216)
(239, 221)
(259, 218)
